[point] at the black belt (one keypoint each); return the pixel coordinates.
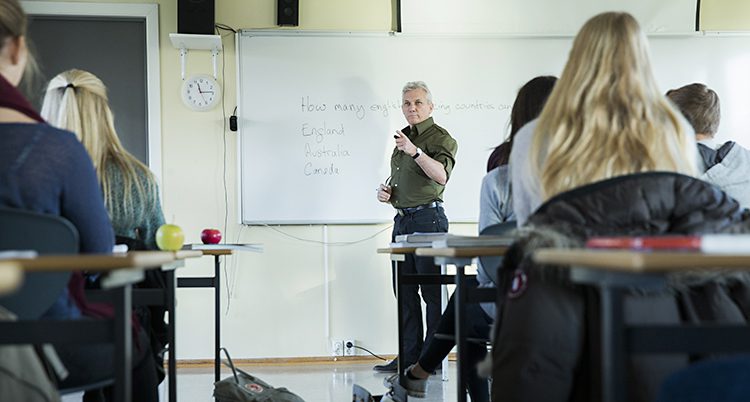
(404, 211)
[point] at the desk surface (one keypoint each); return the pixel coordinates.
(642, 261)
(101, 262)
(397, 250)
(224, 248)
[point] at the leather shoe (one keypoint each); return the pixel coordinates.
(390, 367)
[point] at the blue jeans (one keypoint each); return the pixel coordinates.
(425, 220)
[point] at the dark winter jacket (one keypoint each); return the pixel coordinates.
(540, 354)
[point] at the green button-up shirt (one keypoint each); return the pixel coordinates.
(410, 186)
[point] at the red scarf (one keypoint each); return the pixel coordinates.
(11, 98)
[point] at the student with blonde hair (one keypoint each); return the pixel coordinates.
(76, 100)
(608, 156)
(606, 117)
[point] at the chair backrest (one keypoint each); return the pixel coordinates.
(491, 264)
(45, 234)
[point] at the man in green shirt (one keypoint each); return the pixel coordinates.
(420, 167)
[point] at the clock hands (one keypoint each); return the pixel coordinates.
(202, 91)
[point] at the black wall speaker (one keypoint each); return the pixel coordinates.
(195, 17)
(287, 12)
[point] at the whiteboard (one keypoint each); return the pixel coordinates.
(317, 111)
(540, 16)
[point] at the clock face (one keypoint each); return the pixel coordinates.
(201, 92)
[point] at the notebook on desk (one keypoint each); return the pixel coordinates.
(451, 240)
(709, 243)
(475, 241)
(418, 239)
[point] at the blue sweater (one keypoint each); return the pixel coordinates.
(47, 170)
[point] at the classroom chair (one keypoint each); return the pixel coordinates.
(491, 265)
(44, 234)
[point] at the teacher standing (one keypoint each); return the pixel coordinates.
(420, 167)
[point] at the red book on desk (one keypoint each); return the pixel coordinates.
(713, 243)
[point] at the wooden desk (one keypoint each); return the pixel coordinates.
(398, 254)
(215, 250)
(462, 257)
(612, 272)
(166, 298)
(122, 271)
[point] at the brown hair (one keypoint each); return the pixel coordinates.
(14, 24)
(527, 106)
(13, 21)
(700, 106)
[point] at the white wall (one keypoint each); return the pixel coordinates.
(287, 302)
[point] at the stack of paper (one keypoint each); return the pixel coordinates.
(419, 239)
(451, 240)
(475, 241)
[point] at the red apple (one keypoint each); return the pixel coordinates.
(210, 236)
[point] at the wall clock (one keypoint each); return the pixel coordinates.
(201, 92)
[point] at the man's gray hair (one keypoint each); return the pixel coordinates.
(412, 85)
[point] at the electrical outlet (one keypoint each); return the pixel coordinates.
(349, 349)
(337, 348)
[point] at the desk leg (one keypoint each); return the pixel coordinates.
(399, 304)
(460, 297)
(217, 312)
(171, 332)
(123, 343)
(614, 368)
(443, 305)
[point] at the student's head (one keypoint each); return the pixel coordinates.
(416, 102)
(527, 106)
(14, 54)
(76, 100)
(700, 106)
(606, 116)
(530, 101)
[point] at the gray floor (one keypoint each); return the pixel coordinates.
(313, 382)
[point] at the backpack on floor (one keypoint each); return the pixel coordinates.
(23, 376)
(243, 387)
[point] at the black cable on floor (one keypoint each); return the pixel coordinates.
(349, 345)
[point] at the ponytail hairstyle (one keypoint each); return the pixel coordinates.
(76, 100)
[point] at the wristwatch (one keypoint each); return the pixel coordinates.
(416, 154)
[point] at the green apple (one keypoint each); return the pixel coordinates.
(169, 237)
